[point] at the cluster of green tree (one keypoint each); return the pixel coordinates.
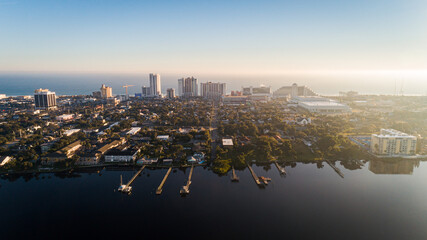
(88, 123)
(246, 128)
(262, 149)
(170, 113)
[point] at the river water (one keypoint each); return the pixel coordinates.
(382, 200)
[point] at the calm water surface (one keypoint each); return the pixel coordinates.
(381, 201)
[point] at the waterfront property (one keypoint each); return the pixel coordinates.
(123, 154)
(62, 154)
(391, 142)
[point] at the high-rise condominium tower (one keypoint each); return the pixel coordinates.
(106, 92)
(155, 85)
(171, 93)
(44, 99)
(188, 87)
(212, 90)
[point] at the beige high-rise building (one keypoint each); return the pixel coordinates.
(391, 142)
(170, 93)
(212, 90)
(106, 92)
(188, 87)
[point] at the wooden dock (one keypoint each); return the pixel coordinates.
(256, 179)
(160, 188)
(127, 188)
(281, 169)
(234, 177)
(135, 176)
(337, 170)
(186, 188)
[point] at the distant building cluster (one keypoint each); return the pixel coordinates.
(300, 97)
(261, 93)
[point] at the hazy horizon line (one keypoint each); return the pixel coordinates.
(411, 72)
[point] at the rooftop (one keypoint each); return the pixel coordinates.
(227, 142)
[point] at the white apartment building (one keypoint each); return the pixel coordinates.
(391, 142)
(155, 85)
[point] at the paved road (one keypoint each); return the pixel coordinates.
(214, 131)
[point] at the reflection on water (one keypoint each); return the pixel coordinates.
(393, 166)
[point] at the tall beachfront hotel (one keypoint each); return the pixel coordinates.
(155, 85)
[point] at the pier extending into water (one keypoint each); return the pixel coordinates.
(127, 188)
(337, 170)
(254, 175)
(160, 188)
(186, 188)
(281, 169)
(234, 177)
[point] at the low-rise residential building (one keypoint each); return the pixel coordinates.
(227, 142)
(102, 150)
(303, 121)
(163, 137)
(121, 154)
(62, 154)
(64, 117)
(71, 132)
(91, 158)
(133, 131)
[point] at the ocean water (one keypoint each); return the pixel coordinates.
(384, 201)
(14, 84)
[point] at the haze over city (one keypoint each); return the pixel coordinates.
(296, 119)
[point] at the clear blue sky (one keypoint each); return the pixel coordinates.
(232, 37)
